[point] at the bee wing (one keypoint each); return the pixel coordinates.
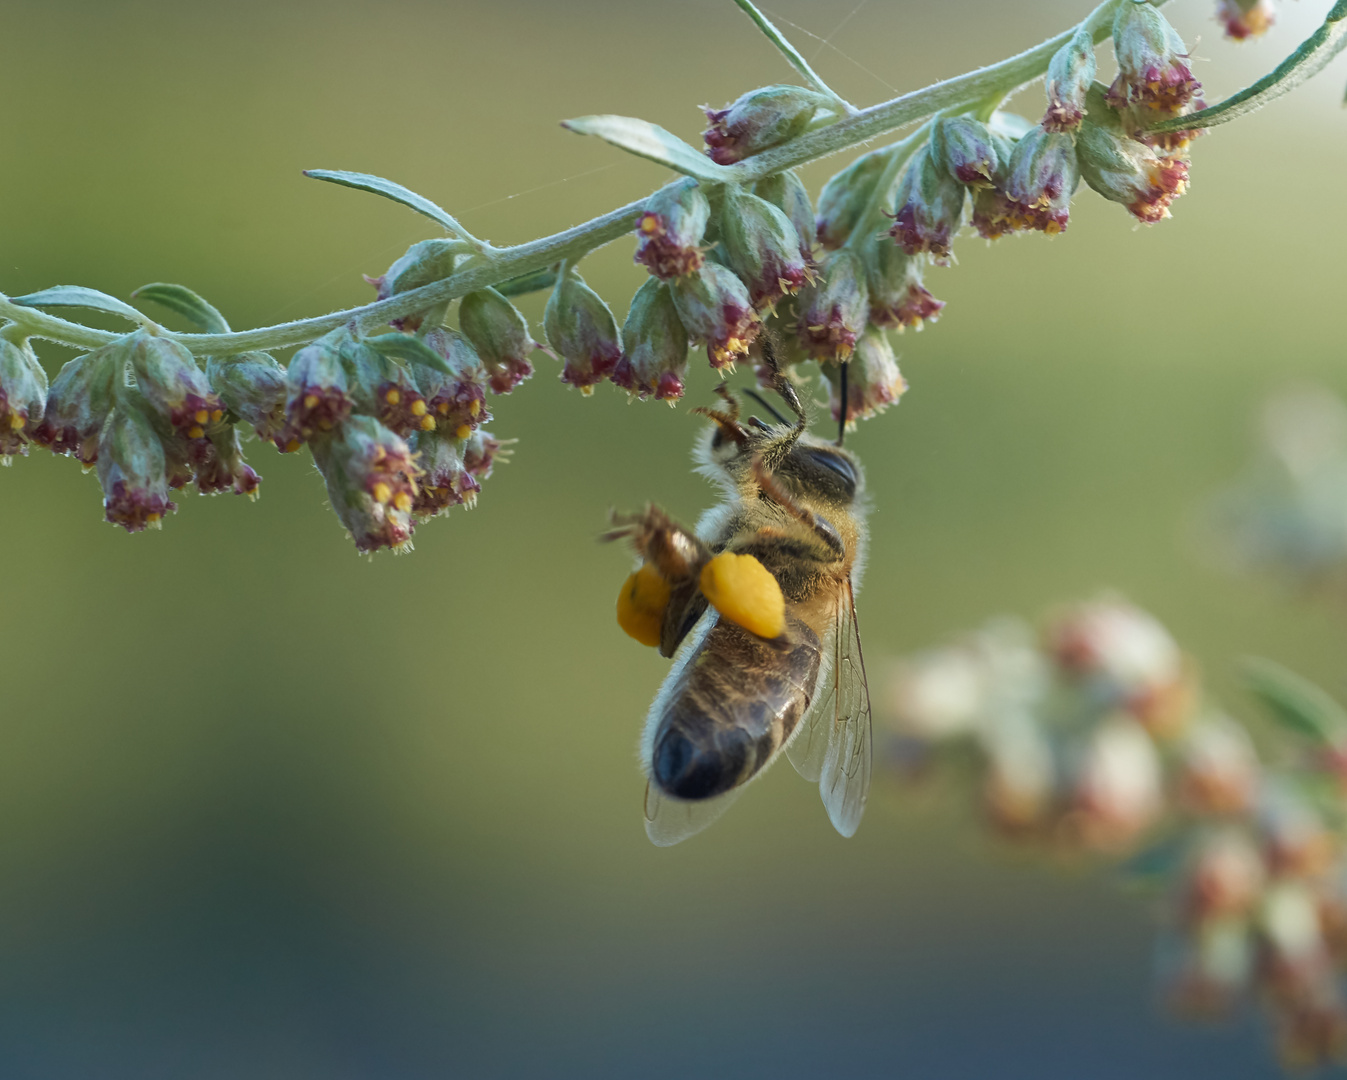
(671, 821)
(834, 746)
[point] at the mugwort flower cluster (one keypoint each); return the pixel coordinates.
(1096, 736)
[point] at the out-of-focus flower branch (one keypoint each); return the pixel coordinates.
(736, 248)
(1097, 738)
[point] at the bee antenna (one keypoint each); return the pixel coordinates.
(842, 412)
(766, 405)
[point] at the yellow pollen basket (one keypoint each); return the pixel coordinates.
(641, 604)
(744, 591)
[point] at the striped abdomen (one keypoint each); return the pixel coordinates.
(733, 705)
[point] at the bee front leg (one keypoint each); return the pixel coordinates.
(673, 550)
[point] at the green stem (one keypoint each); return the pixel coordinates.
(792, 54)
(491, 268)
(898, 155)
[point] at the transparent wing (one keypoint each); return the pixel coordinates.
(844, 707)
(671, 821)
(807, 747)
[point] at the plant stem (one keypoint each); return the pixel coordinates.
(499, 264)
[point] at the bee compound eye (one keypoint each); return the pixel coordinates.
(836, 464)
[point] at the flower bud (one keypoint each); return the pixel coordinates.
(762, 247)
(79, 401)
(833, 309)
(1244, 19)
(382, 388)
(23, 396)
(786, 191)
(846, 197)
(1152, 61)
(716, 309)
(1212, 968)
(1117, 793)
(582, 331)
(317, 390)
(1070, 74)
(221, 466)
(175, 387)
(1224, 877)
(500, 334)
(873, 380)
(1021, 778)
(252, 387)
(480, 451)
(1121, 653)
(1041, 179)
(1126, 170)
(457, 400)
(670, 229)
(1218, 767)
(423, 263)
(656, 345)
(445, 480)
(131, 471)
(894, 288)
(371, 481)
(930, 208)
(759, 120)
(967, 150)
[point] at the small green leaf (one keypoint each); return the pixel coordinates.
(389, 190)
(1295, 701)
(79, 296)
(528, 283)
(647, 140)
(409, 349)
(1313, 55)
(1155, 864)
(181, 299)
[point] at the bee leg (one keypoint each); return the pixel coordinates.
(821, 527)
(726, 419)
(675, 551)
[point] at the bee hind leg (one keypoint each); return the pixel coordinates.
(675, 551)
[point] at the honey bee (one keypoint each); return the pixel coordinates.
(734, 700)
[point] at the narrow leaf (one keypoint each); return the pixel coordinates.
(409, 349)
(789, 51)
(389, 190)
(79, 296)
(1155, 864)
(647, 140)
(1308, 60)
(181, 299)
(528, 283)
(1295, 701)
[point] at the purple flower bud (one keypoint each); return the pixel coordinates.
(79, 401)
(23, 396)
(457, 400)
(762, 247)
(252, 387)
(423, 263)
(930, 208)
(1070, 74)
(968, 150)
(759, 120)
(445, 480)
(371, 481)
(175, 387)
(786, 191)
(582, 331)
(670, 229)
(1244, 19)
(715, 307)
(317, 392)
(480, 452)
(1152, 61)
(873, 380)
(846, 196)
(383, 388)
(833, 310)
(500, 334)
(131, 471)
(221, 466)
(1041, 178)
(656, 345)
(1125, 170)
(898, 299)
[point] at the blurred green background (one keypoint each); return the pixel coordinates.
(271, 810)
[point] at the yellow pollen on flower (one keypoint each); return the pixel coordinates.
(393, 397)
(382, 492)
(310, 401)
(745, 592)
(587, 391)
(463, 431)
(380, 453)
(16, 421)
(418, 407)
(202, 415)
(403, 501)
(442, 408)
(217, 415)
(641, 605)
(195, 432)
(475, 409)
(151, 518)
(291, 446)
(649, 223)
(427, 423)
